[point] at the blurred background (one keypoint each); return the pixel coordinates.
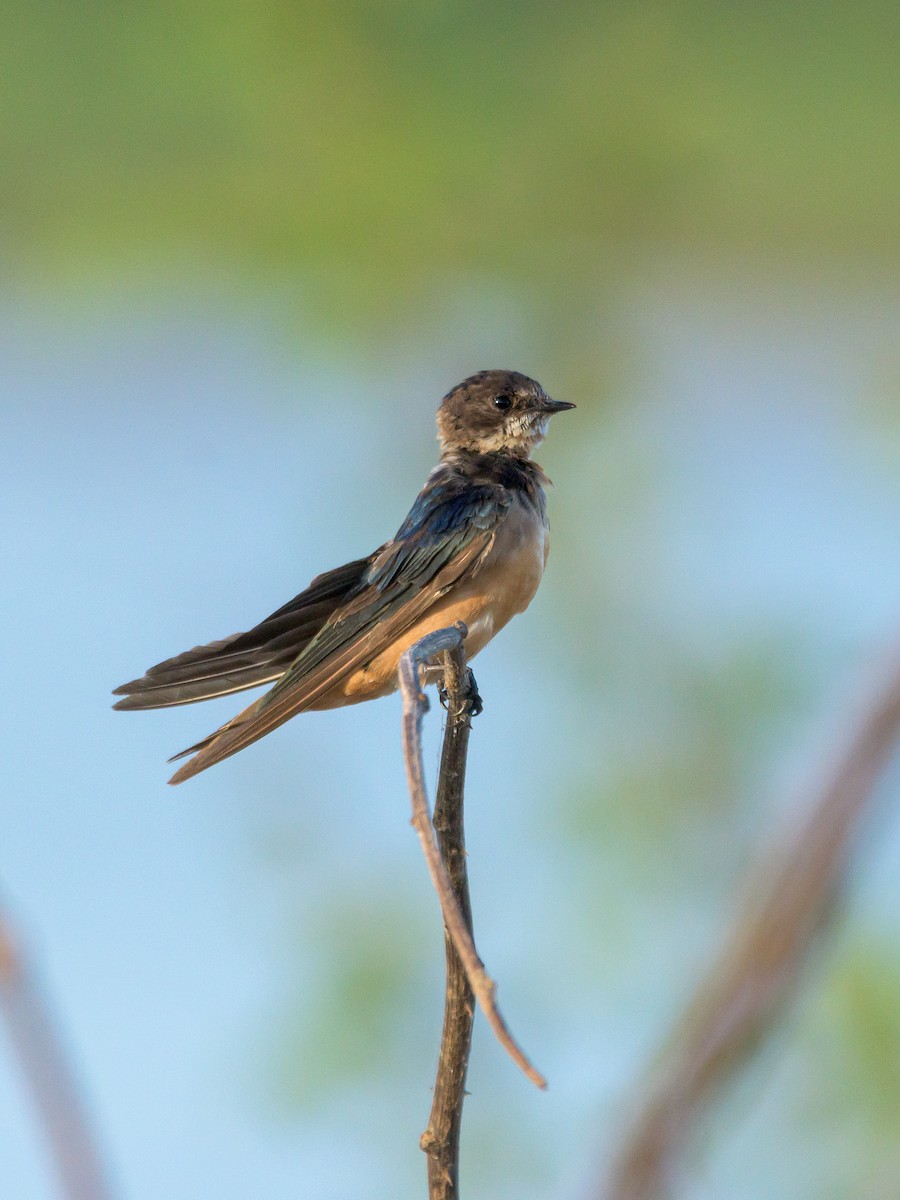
(244, 250)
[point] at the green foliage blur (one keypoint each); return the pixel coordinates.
(372, 146)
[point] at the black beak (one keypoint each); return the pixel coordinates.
(546, 405)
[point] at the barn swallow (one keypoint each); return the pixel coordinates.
(472, 549)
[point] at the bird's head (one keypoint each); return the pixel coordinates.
(496, 412)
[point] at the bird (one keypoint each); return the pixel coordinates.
(472, 548)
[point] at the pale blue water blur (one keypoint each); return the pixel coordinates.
(172, 472)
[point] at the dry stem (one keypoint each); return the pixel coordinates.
(49, 1076)
(440, 1141)
(415, 705)
(759, 967)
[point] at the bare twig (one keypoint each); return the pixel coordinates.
(440, 1141)
(414, 707)
(48, 1076)
(791, 894)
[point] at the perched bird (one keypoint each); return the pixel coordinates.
(472, 549)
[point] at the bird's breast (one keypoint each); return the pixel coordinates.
(512, 568)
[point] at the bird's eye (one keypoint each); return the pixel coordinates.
(502, 402)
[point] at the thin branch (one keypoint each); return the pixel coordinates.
(415, 705)
(48, 1076)
(790, 898)
(440, 1141)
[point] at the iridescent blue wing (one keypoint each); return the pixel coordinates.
(443, 539)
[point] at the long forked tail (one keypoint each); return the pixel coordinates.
(244, 660)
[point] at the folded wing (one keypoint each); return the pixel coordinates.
(442, 541)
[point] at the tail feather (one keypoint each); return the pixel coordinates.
(244, 660)
(244, 715)
(217, 669)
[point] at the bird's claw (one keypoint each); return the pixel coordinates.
(472, 705)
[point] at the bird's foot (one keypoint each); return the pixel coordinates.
(472, 704)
